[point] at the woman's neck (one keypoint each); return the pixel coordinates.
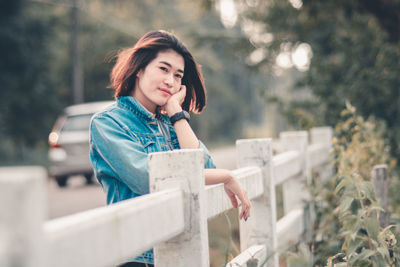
(146, 103)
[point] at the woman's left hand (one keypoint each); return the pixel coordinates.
(233, 188)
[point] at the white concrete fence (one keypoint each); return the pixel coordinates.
(173, 218)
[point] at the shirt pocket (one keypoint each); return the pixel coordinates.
(148, 142)
(150, 146)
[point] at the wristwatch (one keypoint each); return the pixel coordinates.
(180, 115)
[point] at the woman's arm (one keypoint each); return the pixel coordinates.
(188, 139)
(121, 151)
(232, 188)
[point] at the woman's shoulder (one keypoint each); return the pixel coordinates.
(117, 112)
(111, 115)
(121, 117)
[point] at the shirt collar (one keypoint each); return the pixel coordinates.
(132, 104)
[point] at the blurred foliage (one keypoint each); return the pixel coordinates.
(27, 98)
(36, 66)
(355, 51)
(360, 144)
(346, 229)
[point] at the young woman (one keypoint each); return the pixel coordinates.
(156, 82)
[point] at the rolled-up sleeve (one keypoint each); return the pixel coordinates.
(208, 162)
(121, 151)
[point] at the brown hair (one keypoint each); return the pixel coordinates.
(131, 60)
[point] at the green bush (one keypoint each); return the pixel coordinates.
(346, 228)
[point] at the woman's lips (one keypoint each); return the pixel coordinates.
(166, 91)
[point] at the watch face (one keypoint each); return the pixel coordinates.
(187, 115)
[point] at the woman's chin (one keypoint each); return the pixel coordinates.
(161, 103)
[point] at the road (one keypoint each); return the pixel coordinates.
(79, 197)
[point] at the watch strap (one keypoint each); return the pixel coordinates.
(179, 116)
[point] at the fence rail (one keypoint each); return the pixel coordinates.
(107, 233)
(173, 217)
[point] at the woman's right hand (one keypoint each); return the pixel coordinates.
(174, 103)
(233, 188)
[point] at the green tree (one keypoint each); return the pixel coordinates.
(27, 98)
(355, 46)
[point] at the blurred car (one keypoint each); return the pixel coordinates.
(69, 142)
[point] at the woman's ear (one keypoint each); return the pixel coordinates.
(139, 73)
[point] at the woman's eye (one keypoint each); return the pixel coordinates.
(163, 69)
(179, 76)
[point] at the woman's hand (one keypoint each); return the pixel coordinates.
(174, 103)
(233, 188)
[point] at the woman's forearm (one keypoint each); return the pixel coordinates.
(186, 137)
(217, 176)
(232, 188)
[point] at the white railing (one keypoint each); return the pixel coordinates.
(173, 217)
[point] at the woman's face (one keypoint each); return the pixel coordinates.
(161, 78)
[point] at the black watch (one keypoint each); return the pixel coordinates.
(178, 116)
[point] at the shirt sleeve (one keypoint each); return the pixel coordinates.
(208, 162)
(121, 151)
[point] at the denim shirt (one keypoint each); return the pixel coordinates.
(121, 137)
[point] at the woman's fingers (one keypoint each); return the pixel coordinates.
(234, 201)
(246, 212)
(246, 205)
(231, 196)
(233, 188)
(182, 94)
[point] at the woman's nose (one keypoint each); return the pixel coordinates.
(169, 79)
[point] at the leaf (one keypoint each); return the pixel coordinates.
(365, 254)
(387, 238)
(345, 203)
(379, 261)
(368, 191)
(378, 208)
(387, 228)
(349, 106)
(383, 251)
(372, 227)
(343, 183)
(353, 246)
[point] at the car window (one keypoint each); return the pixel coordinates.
(77, 123)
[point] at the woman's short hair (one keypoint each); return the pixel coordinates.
(131, 60)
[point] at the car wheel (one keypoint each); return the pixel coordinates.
(62, 181)
(89, 178)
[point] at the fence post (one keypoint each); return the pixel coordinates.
(379, 177)
(22, 213)
(185, 169)
(321, 135)
(260, 228)
(293, 188)
(295, 141)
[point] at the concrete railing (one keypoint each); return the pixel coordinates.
(173, 217)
